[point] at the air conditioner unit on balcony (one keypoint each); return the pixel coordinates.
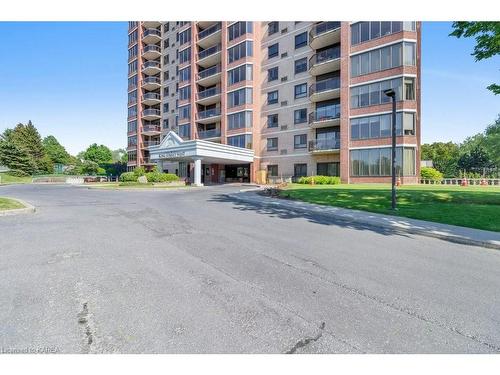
(285, 30)
(283, 152)
(284, 79)
(284, 127)
(284, 54)
(284, 103)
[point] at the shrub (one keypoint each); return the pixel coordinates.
(320, 180)
(17, 173)
(128, 177)
(139, 171)
(431, 174)
(156, 176)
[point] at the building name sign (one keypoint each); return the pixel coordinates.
(172, 154)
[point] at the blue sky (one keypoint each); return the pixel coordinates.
(70, 80)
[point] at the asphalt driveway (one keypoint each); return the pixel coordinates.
(193, 271)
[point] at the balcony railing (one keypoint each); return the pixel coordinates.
(151, 96)
(151, 64)
(151, 143)
(208, 93)
(325, 85)
(154, 32)
(209, 51)
(325, 144)
(152, 48)
(203, 134)
(151, 112)
(208, 113)
(324, 27)
(325, 114)
(209, 72)
(211, 30)
(149, 80)
(324, 56)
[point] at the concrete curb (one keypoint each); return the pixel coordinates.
(28, 208)
(451, 233)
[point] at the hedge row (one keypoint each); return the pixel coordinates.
(153, 176)
(320, 180)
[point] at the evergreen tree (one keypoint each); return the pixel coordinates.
(55, 151)
(16, 158)
(27, 138)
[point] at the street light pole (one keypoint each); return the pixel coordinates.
(392, 94)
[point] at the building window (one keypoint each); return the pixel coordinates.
(239, 97)
(364, 31)
(132, 82)
(272, 121)
(132, 126)
(185, 55)
(185, 74)
(272, 74)
(165, 123)
(373, 94)
(132, 156)
(132, 67)
(272, 144)
(300, 141)
(185, 93)
(300, 116)
(165, 107)
(132, 111)
(383, 58)
(273, 51)
(301, 65)
(272, 97)
(184, 37)
(300, 91)
(380, 126)
(239, 120)
(243, 141)
(239, 51)
(185, 112)
(300, 170)
(273, 27)
(238, 29)
(328, 169)
(377, 162)
(301, 40)
(132, 141)
(272, 170)
(132, 52)
(184, 131)
(241, 73)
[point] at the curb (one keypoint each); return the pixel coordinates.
(28, 208)
(398, 228)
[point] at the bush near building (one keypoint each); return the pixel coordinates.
(128, 177)
(432, 174)
(320, 180)
(153, 176)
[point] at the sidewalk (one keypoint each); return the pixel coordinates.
(452, 233)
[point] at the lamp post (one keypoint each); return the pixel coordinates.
(392, 94)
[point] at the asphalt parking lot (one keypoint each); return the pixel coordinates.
(194, 271)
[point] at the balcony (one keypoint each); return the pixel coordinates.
(325, 146)
(150, 129)
(209, 77)
(325, 90)
(210, 36)
(151, 24)
(151, 52)
(151, 83)
(324, 34)
(209, 56)
(207, 134)
(151, 98)
(151, 36)
(151, 67)
(151, 114)
(209, 96)
(326, 116)
(325, 61)
(205, 24)
(147, 161)
(208, 116)
(147, 144)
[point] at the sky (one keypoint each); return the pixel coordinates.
(69, 79)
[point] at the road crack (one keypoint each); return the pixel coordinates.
(306, 341)
(83, 320)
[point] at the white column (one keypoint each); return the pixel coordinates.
(197, 172)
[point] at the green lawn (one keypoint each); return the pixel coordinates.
(474, 207)
(8, 179)
(9, 204)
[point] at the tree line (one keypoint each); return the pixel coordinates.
(477, 156)
(25, 153)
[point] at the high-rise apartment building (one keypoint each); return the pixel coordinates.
(225, 101)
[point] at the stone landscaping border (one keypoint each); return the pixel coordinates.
(28, 208)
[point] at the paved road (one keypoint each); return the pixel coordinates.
(191, 271)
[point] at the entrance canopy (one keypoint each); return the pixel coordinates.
(174, 148)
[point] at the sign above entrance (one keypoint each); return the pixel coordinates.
(172, 154)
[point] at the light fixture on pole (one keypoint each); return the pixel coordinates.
(392, 94)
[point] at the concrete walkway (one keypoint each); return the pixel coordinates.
(452, 233)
